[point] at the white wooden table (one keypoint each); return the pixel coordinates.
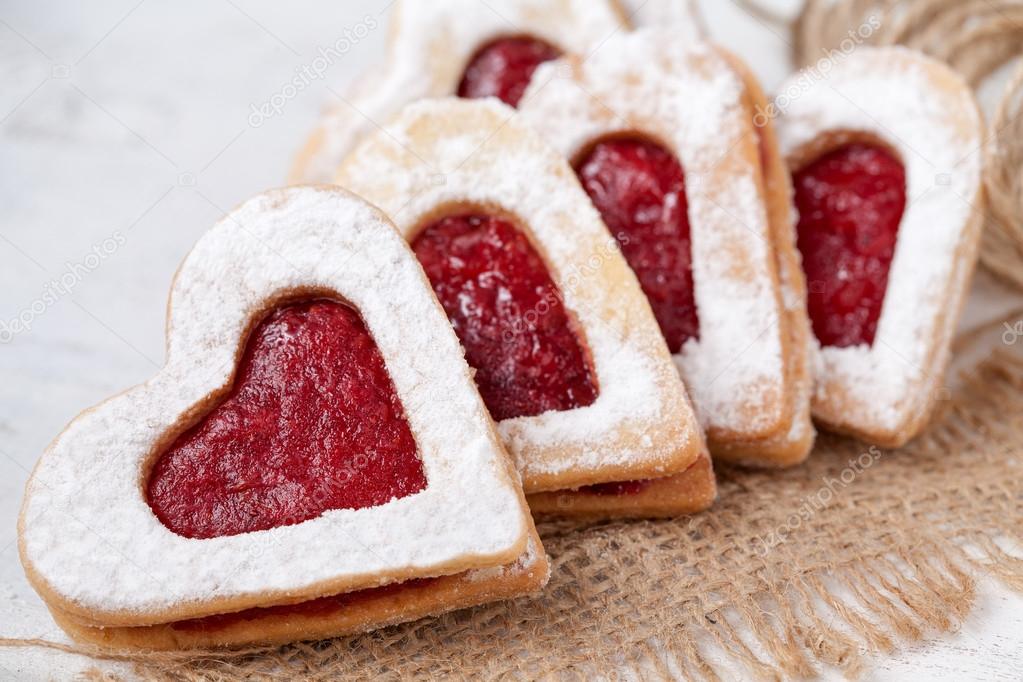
(126, 129)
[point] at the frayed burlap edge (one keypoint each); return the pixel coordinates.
(975, 37)
(852, 554)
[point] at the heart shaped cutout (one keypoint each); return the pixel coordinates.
(311, 423)
(424, 491)
(508, 314)
(503, 68)
(850, 201)
(639, 188)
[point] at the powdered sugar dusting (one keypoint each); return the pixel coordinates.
(528, 561)
(689, 99)
(936, 130)
(431, 44)
(627, 379)
(439, 153)
(678, 14)
(88, 531)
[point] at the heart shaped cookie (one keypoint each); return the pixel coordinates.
(663, 139)
(566, 350)
(311, 423)
(295, 447)
(886, 156)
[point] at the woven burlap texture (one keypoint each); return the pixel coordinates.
(854, 552)
(976, 37)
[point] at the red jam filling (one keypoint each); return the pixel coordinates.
(850, 203)
(640, 190)
(508, 315)
(616, 488)
(322, 606)
(311, 423)
(503, 68)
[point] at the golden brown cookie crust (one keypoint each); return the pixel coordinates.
(447, 593)
(690, 492)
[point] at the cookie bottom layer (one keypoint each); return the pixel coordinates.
(419, 599)
(689, 492)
